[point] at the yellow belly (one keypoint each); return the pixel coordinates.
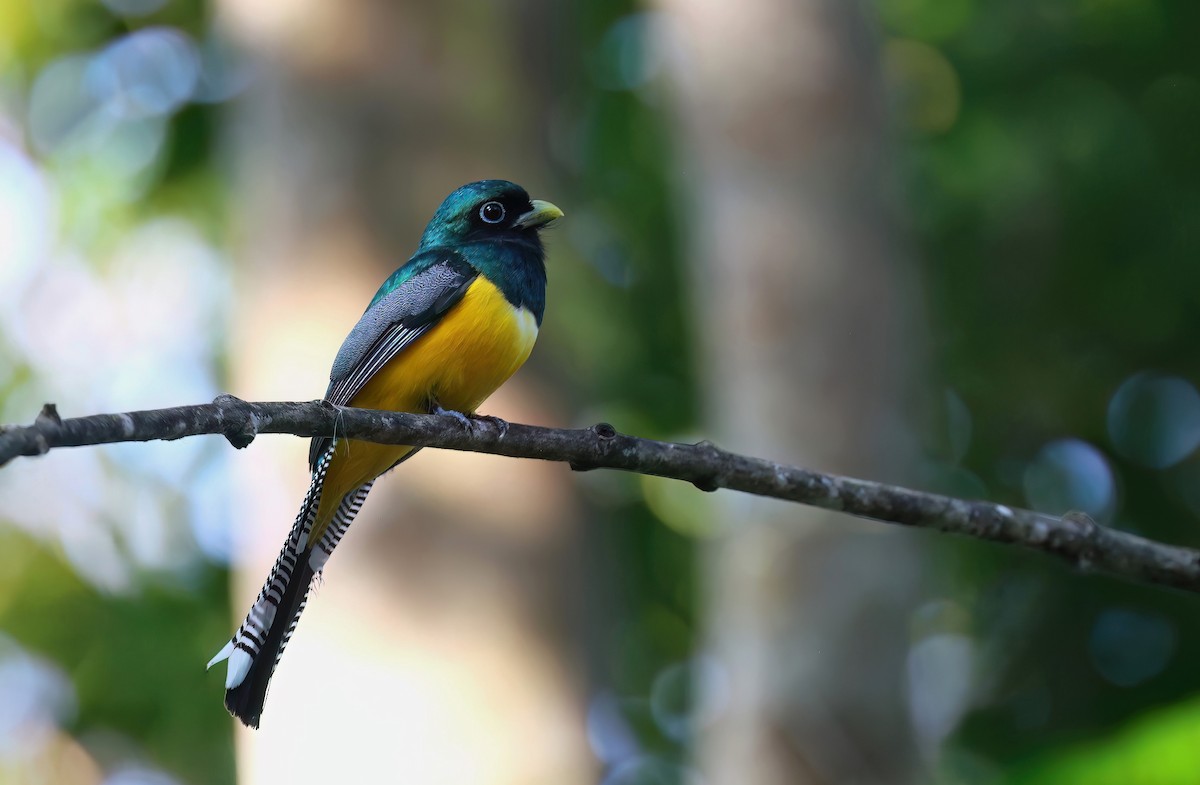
(470, 352)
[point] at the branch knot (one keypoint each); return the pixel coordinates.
(48, 415)
(241, 423)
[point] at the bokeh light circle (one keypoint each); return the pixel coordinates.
(63, 113)
(147, 73)
(1070, 474)
(1129, 647)
(26, 220)
(1154, 420)
(688, 695)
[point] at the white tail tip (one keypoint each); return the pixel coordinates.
(223, 654)
(239, 666)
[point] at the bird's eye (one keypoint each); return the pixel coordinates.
(492, 212)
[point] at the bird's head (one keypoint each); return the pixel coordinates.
(488, 210)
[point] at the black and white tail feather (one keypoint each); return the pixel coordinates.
(255, 649)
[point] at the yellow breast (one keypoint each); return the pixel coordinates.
(461, 361)
(458, 363)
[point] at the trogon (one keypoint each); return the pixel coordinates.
(441, 334)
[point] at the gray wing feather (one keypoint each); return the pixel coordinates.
(415, 303)
(392, 324)
(389, 344)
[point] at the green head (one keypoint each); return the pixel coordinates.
(493, 225)
(488, 210)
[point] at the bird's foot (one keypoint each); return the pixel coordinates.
(472, 420)
(463, 419)
(500, 425)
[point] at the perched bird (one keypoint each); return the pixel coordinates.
(442, 333)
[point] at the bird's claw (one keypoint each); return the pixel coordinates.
(463, 419)
(471, 421)
(500, 425)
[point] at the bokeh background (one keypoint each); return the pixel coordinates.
(949, 243)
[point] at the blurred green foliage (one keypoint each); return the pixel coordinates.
(134, 661)
(134, 656)
(621, 318)
(1055, 200)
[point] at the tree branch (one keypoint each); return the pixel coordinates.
(1075, 537)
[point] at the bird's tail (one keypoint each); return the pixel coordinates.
(255, 649)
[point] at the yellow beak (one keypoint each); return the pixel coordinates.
(541, 214)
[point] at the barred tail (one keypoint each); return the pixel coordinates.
(255, 649)
(245, 699)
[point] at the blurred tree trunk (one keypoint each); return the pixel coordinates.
(434, 650)
(800, 304)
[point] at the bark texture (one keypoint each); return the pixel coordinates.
(1074, 537)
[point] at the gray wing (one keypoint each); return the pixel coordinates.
(393, 322)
